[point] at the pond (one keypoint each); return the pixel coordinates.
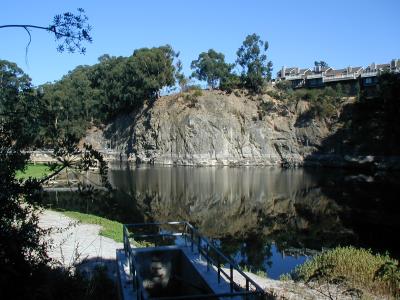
(267, 219)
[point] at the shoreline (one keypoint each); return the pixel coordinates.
(354, 162)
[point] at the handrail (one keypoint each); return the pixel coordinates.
(137, 282)
(227, 260)
(207, 296)
(204, 247)
(156, 223)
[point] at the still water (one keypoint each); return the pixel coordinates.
(267, 219)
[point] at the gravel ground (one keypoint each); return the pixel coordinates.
(74, 243)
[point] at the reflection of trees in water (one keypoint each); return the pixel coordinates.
(369, 206)
(249, 208)
(253, 251)
(115, 206)
(306, 221)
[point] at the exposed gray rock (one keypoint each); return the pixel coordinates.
(216, 129)
(226, 129)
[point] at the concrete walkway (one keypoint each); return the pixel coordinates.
(75, 243)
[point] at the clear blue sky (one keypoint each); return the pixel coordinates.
(341, 32)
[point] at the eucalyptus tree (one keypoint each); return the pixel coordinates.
(150, 69)
(211, 67)
(180, 76)
(69, 106)
(252, 58)
(126, 83)
(321, 64)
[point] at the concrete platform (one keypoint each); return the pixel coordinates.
(209, 275)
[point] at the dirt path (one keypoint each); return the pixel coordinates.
(75, 243)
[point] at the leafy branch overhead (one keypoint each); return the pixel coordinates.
(70, 30)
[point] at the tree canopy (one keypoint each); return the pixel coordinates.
(252, 58)
(21, 248)
(18, 102)
(95, 94)
(27, 272)
(321, 63)
(23, 255)
(211, 67)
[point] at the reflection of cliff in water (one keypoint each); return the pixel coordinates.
(286, 206)
(296, 208)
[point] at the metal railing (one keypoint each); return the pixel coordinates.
(320, 75)
(294, 77)
(225, 267)
(339, 77)
(369, 74)
(137, 281)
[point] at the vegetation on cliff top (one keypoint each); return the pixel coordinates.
(211, 67)
(95, 94)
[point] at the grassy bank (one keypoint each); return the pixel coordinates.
(357, 268)
(34, 171)
(109, 228)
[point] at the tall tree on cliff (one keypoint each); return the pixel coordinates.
(125, 83)
(252, 57)
(180, 76)
(149, 71)
(210, 66)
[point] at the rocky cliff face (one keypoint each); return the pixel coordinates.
(216, 129)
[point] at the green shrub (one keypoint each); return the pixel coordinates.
(197, 93)
(323, 102)
(267, 106)
(284, 85)
(258, 272)
(275, 94)
(323, 108)
(230, 83)
(192, 96)
(285, 277)
(359, 267)
(100, 286)
(49, 283)
(194, 87)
